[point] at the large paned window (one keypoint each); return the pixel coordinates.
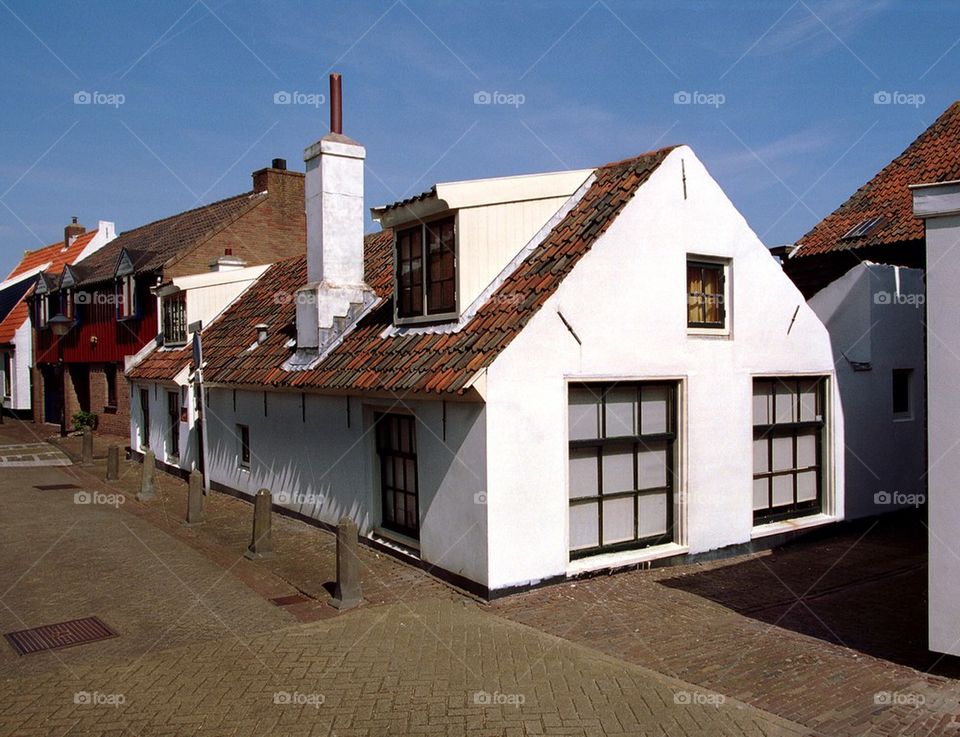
(621, 465)
(426, 269)
(397, 451)
(788, 435)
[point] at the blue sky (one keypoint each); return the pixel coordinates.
(780, 97)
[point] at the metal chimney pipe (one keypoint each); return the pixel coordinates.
(336, 104)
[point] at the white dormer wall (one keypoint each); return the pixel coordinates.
(496, 218)
(211, 293)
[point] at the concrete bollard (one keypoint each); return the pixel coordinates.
(113, 463)
(347, 594)
(195, 499)
(148, 478)
(261, 545)
(86, 452)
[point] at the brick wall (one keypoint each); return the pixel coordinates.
(273, 230)
(112, 420)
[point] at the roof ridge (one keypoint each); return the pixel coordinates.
(640, 157)
(191, 210)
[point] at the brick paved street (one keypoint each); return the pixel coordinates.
(411, 659)
(22, 455)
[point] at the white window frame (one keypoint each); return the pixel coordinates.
(726, 264)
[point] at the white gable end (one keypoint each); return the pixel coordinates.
(626, 306)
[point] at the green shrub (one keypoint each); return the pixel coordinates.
(84, 419)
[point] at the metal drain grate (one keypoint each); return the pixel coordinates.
(60, 635)
(292, 599)
(55, 487)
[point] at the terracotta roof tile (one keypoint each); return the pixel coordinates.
(933, 157)
(365, 360)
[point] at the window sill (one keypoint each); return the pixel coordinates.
(903, 418)
(397, 541)
(708, 332)
(789, 525)
(110, 409)
(424, 320)
(625, 558)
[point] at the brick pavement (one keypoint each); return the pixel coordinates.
(433, 667)
(735, 627)
(24, 455)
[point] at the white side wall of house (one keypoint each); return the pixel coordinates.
(875, 316)
(22, 358)
(319, 458)
(627, 302)
(160, 424)
(943, 413)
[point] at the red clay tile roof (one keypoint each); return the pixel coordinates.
(152, 245)
(441, 362)
(933, 157)
(55, 255)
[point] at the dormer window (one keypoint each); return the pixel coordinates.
(427, 270)
(43, 310)
(126, 297)
(175, 319)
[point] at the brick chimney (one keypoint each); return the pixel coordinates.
(282, 186)
(71, 231)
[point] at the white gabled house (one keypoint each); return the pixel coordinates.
(523, 379)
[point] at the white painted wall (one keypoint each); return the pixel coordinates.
(626, 300)
(489, 236)
(875, 316)
(943, 410)
(324, 466)
(159, 424)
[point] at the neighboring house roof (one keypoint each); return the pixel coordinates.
(153, 245)
(933, 157)
(416, 361)
(51, 259)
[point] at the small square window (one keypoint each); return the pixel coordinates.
(706, 295)
(902, 394)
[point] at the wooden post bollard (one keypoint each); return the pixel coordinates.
(347, 594)
(86, 452)
(113, 463)
(148, 478)
(195, 499)
(261, 545)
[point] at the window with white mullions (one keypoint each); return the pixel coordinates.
(175, 319)
(621, 466)
(789, 421)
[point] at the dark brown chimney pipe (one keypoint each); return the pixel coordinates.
(336, 104)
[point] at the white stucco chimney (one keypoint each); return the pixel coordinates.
(335, 220)
(334, 202)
